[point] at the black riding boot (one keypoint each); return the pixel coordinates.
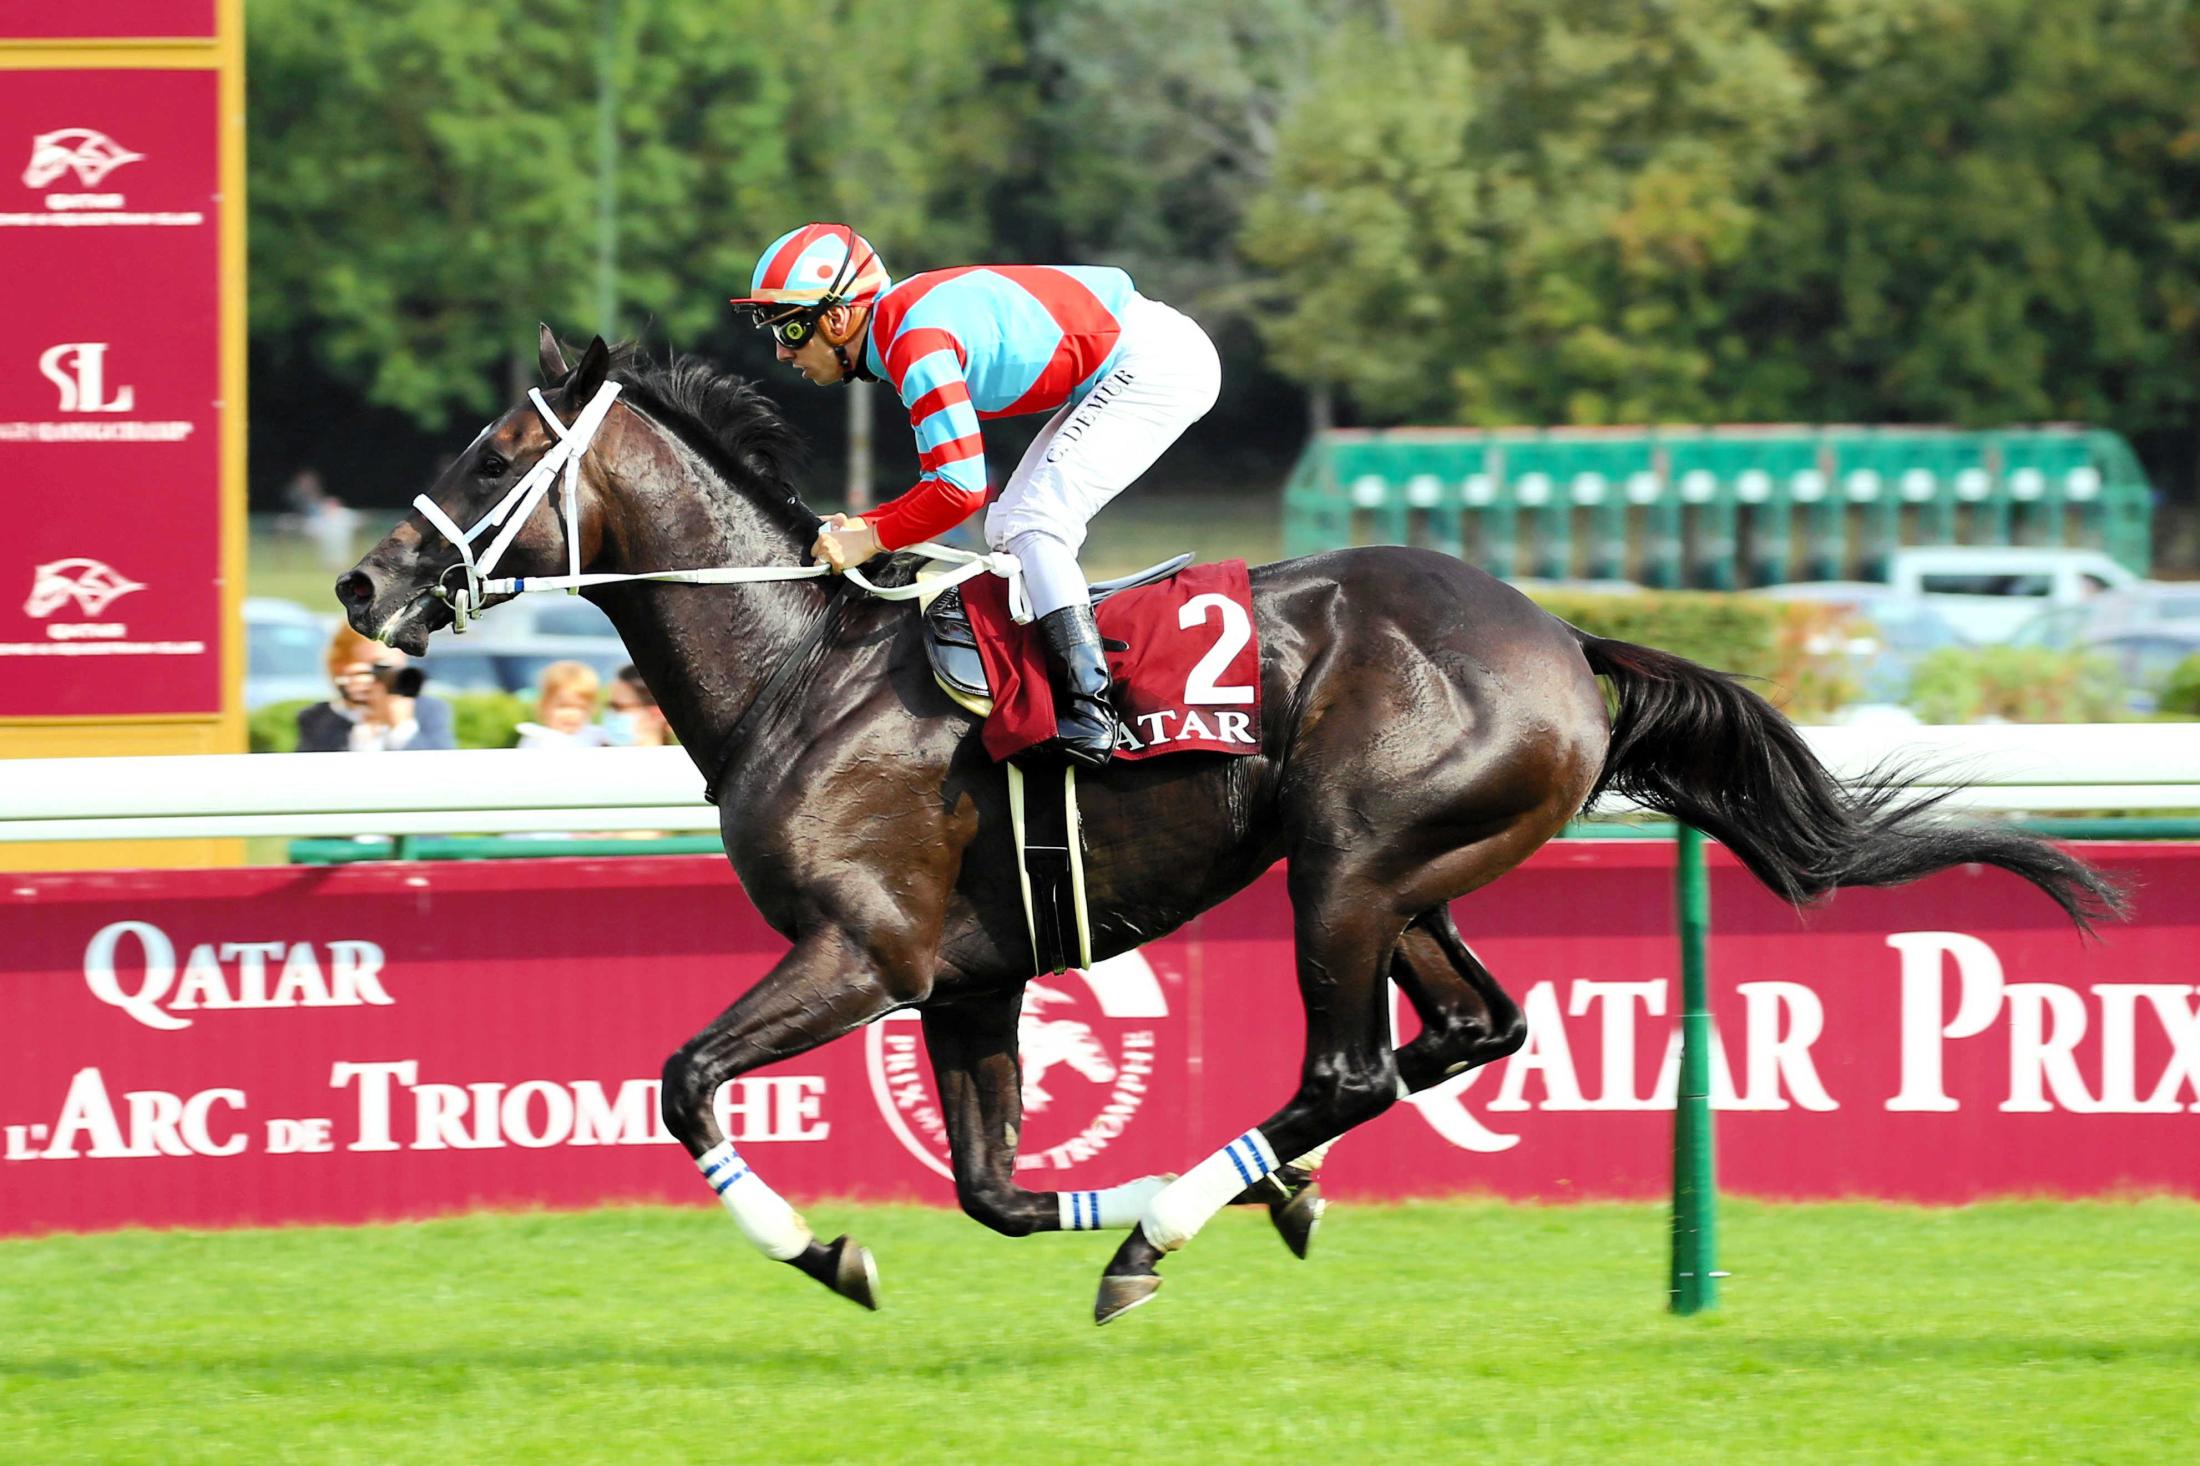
(1084, 722)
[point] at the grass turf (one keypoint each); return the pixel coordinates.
(1426, 1332)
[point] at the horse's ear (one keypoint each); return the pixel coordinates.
(588, 377)
(549, 356)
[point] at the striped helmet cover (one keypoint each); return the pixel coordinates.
(802, 266)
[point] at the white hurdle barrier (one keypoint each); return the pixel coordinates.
(2030, 768)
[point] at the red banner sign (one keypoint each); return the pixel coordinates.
(110, 441)
(107, 20)
(286, 1045)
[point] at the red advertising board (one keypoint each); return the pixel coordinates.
(106, 20)
(279, 1045)
(110, 387)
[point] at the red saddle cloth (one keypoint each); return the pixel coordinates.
(1190, 681)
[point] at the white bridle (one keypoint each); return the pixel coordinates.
(520, 501)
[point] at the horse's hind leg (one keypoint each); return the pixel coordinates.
(824, 987)
(1467, 1020)
(1345, 931)
(973, 1047)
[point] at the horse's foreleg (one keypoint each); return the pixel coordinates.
(824, 987)
(973, 1046)
(1345, 936)
(1467, 1020)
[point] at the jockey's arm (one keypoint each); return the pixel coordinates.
(926, 369)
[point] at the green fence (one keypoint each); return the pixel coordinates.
(1714, 508)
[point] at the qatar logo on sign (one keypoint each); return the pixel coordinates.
(90, 155)
(1088, 1041)
(90, 583)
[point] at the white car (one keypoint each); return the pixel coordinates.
(285, 652)
(1990, 591)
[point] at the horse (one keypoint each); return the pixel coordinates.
(1424, 728)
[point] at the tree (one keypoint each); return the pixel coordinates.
(425, 184)
(1993, 215)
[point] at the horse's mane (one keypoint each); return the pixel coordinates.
(738, 431)
(725, 419)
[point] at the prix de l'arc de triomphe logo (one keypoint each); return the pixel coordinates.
(1090, 1041)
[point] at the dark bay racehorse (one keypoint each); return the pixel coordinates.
(1425, 727)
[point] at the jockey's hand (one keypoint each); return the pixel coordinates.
(843, 542)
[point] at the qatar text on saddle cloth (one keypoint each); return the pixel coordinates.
(1190, 681)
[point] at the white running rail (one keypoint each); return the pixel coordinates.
(2028, 767)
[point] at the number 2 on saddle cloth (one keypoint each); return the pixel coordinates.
(1190, 681)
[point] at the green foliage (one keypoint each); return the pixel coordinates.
(1560, 211)
(1787, 648)
(2010, 684)
(488, 719)
(2181, 694)
(1576, 211)
(478, 720)
(274, 728)
(1162, 126)
(425, 180)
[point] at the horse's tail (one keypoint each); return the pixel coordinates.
(1697, 745)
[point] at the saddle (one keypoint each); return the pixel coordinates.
(952, 647)
(1043, 799)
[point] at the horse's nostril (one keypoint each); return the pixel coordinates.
(355, 589)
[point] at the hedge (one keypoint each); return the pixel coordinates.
(478, 720)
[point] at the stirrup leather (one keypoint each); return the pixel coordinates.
(1050, 864)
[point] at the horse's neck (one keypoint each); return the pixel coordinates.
(705, 651)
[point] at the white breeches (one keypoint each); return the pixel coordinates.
(1165, 380)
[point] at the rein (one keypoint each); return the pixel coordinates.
(520, 500)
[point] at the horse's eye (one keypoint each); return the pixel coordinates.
(492, 465)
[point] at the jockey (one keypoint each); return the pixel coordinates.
(1123, 376)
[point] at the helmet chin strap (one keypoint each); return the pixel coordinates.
(850, 371)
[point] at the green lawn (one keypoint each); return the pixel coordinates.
(1466, 1332)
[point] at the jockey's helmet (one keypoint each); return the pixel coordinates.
(815, 266)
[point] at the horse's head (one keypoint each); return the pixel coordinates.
(406, 587)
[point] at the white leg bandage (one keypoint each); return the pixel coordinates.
(772, 1226)
(1112, 1209)
(1186, 1203)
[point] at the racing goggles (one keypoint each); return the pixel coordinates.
(791, 328)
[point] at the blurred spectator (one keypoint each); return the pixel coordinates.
(633, 718)
(330, 523)
(378, 706)
(565, 709)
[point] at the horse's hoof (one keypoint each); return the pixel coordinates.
(1297, 1218)
(846, 1268)
(855, 1275)
(1120, 1294)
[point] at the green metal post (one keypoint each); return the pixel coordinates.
(607, 171)
(1693, 1285)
